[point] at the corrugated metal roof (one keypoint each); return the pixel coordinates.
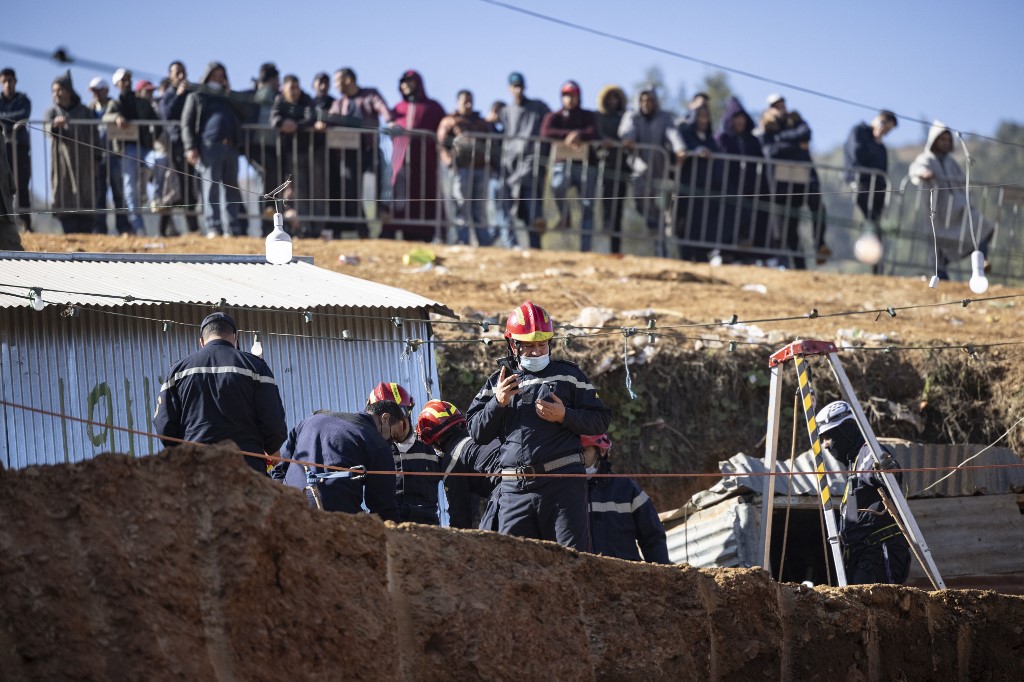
(246, 281)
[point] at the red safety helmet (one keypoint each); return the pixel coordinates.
(529, 322)
(603, 442)
(391, 391)
(436, 419)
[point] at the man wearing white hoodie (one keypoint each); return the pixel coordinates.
(944, 182)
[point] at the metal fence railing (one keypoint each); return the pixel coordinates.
(486, 188)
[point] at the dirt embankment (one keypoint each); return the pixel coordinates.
(187, 565)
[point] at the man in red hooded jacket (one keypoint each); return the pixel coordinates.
(414, 163)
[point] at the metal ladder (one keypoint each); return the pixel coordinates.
(798, 351)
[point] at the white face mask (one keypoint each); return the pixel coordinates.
(404, 446)
(534, 364)
(215, 86)
(591, 470)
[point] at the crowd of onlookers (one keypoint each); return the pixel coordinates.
(483, 174)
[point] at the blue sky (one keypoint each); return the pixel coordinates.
(949, 60)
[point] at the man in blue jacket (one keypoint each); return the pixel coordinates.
(865, 150)
(348, 440)
(538, 409)
(221, 393)
(622, 517)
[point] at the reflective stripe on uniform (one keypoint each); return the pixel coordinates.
(421, 456)
(621, 507)
(487, 392)
(230, 369)
(554, 465)
(456, 454)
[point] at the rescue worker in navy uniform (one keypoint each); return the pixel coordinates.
(538, 408)
(442, 426)
(347, 440)
(221, 393)
(874, 549)
(416, 495)
(623, 521)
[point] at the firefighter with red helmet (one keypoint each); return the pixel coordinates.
(623, 521)
(416, 495)
(538, 408)
(442, 426)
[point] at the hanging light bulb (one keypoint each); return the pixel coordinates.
(868, 247)
(37, 298)
(279, 244)
(257, 347)
(978, 282)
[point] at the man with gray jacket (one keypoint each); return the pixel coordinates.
(523, 164)
(211, 130)
(645, 131)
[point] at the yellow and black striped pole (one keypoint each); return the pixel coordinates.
(803, 372)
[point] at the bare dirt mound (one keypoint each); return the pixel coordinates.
(187, 565)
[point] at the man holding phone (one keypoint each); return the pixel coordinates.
(538, 412)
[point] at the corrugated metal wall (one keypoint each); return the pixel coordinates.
(107, 364)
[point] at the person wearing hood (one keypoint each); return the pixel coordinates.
(414, 163)
(614, 168)
(575, 158)
(743, 180)
(648, 133)
(124, 112)
(466, 146)
(944, 183)
(211, 131)
(73, 158)
(623, 520)
(700, 176)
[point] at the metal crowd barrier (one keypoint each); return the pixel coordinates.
(998, 216)
(487, 189)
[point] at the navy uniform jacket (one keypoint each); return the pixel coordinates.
(621, 517)
(221, 393)
(344, 440)
(864, 519)
(417, 495)
(526, 439)
(469, 456)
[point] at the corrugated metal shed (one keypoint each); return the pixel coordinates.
(106, 363)
(245, 281)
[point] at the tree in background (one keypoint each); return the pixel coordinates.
(717, 86)
(655, 77)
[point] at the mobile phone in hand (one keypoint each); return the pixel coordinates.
(509, 364)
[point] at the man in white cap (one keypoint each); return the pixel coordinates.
(124, 112)
(108, 174)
